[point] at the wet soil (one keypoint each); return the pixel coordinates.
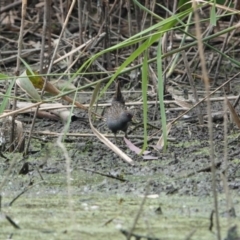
(96, 194)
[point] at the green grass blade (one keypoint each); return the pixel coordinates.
(161, 94)
(7, 96)
(213, 18)
(144, 95)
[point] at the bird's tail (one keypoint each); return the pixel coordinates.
(118, 97)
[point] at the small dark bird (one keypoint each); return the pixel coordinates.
(117, 115)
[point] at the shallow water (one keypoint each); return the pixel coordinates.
(47, 212)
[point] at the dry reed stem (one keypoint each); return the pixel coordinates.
(210, 127)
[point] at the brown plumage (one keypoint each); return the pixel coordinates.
(117, 115)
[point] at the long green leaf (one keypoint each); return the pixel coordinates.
(144, 95)
(7, 96)
(161, 93)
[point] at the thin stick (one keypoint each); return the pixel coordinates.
(200, 116)
(45, 25)
(46, 20)
(229, 203)
(138, 213)
(20, 110)
(80, 18)
(20, 39)
(103, 174)
(226, 40)
(60, 36)
(23, 191)
(210, 127)
(10, 6)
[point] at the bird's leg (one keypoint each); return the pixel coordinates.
(115, 136)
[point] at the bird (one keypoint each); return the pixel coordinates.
(118, 117)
